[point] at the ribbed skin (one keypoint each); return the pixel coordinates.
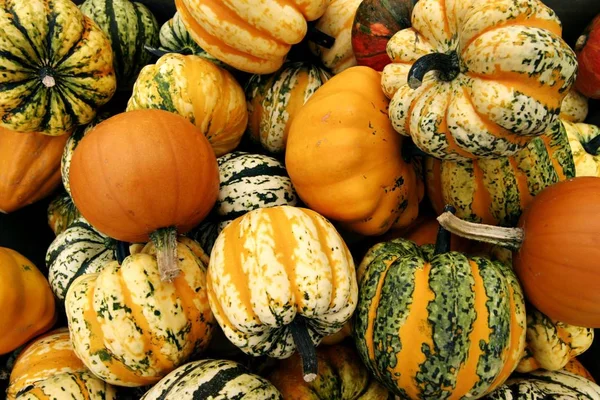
(61, 212)
(579, 134)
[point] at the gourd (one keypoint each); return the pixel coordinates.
(433, 323)
(49, 369)
(29, 167)
(574, 107)
(575, 366)
(24, 288)
(213, 379)
(254, 39)
(361, 179)
(153, 173)
(273, 101)
(197, 89)
(279, 280)
(57, 64)
(500, 75)
(61, 212)
(129, 327)
(584, 140)
(588, 78)
(129, 25)
(554, 249)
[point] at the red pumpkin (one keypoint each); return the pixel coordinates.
(587, 49)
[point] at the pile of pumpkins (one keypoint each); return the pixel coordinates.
(316, 199)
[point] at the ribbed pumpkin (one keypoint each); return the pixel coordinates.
(130, 328)
(588, 80)
(29, 167)
(191, 86)
(360, 179)
(212, 379)
(436, 324)
(552, 344)
(273, 101)
(26, 301)
(174, 37)
(57, 64)
(129, 26)
(337, 22)
(496, 191)
(502, 71)
(276, 271)
(61, 212)
(253, 37)
(584, 140)
(342, 376)
(49, 369)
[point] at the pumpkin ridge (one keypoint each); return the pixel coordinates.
(17, 23)
(76, 45)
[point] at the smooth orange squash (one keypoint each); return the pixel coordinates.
(29, 167)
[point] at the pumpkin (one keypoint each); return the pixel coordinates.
(280, 279)
(587, 49)
(130, 328)
(153, 173)
(24, 288)
(129, 26)
(341, 376)
(574, 107)
(375, 22)
(61, 212)
(555, 248)
(541, 385)
(552, 344)
(575, 366)
(29, 167)
(273, 101)
(361, 179)
(252, 38)
(433, 323)
(501, 74)
(49, 369)
(213, 379)
(496, 191)
(191, 86)
(57, 64)
(584, 140)
(337, 22)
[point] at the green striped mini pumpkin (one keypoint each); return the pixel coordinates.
(174, 37)
(62, 212)
(212, 379)
(129, 26)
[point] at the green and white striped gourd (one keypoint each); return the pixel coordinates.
(213, 379)
(175, 38)
(129, 26)
(62, 212)
(79, 250)
(274, 99)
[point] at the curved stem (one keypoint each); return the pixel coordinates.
(592, 146)
(320, 38)
(444, 238)
(305, 347)
(510, 238)
(448, 66)
(165, 241)
(122, 251)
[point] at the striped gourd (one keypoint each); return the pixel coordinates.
(584, 140)
(49, 369)
(496, 191)
(129, 327)
(61, 212)
(129, 26)
(501, 72)
(57, 66)
(438, 326)
(546, 385)
(274, 266)
(274, 99)
(552, 344)
(77, 251)
(205, 94)
(212, 379)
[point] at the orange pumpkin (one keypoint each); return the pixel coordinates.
(29, 167)
(344, 158)
(145, 174)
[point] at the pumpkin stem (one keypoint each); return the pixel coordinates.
(448, 66)
(592, 146)
(122, 251)
(165, 241)
(48, 81)
(444, 238)
(319, 37)
(510, 238)
(305, 347)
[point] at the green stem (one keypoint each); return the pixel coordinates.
(448, 66)
(443, 239)
(165, 241)
(592, 146)
(305, 347)
(122, 251)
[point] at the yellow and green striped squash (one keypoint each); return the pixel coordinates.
(175, 38)
(48, 369)
(502, 72)
(443, 326)
(61, 212)
(129, 26)
(272, 265)
(57, 66)
(586, 154)
(130, 328)
(274, 99)
(205, 94)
